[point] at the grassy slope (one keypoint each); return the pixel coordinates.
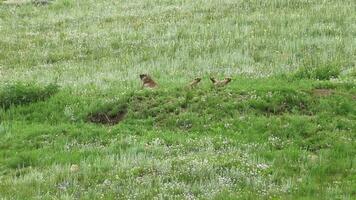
(259, 137)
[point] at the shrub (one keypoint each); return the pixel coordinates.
(279, 102)
(325, 72)
(25, 93)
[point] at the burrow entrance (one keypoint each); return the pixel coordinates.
(107, 118)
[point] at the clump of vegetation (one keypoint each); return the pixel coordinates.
(25, 93)
(281, 101)
(324, 72)
(353, 73)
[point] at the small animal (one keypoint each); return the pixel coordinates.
(147, 81)
(222, 82)
(195, 82)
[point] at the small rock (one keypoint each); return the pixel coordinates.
(63, 186)
(107, 182)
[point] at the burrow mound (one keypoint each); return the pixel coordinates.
(177, 107)
(181, 108)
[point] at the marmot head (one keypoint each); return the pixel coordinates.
(228, 79)
(145, 77)
(197, 79)
(212, 79)
(142, 76)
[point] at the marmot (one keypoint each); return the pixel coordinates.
(222, 82)
(147, 81)
(194, 82)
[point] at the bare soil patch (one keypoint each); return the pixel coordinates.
(106, 118)
(322, 92)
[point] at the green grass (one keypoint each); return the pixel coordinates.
(20, 94)
(283, 129)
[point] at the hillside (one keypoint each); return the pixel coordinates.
(75, 123)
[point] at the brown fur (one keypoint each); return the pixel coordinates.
(222, 82)
(147, 81)
(195, 82)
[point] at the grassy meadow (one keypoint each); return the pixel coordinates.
(284, 128)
